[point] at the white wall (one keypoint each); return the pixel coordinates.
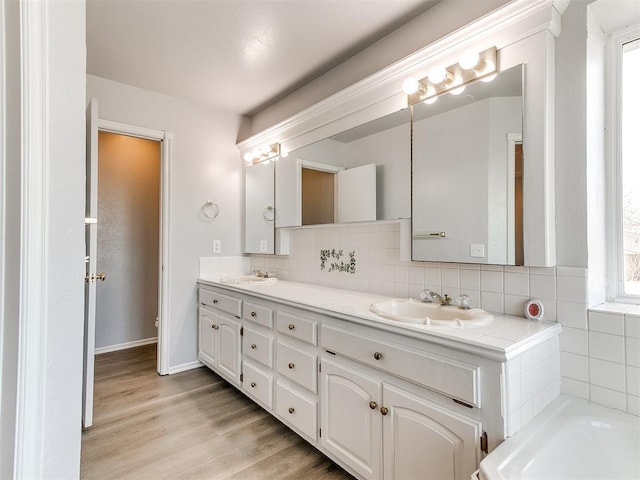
(205, 165)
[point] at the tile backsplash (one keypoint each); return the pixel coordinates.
(599, 350)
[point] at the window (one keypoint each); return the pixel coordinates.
(627, 153)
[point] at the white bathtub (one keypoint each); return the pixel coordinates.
(570, 439)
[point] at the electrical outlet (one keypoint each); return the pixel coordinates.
(263, 246)
(217, 246)
(477, 250)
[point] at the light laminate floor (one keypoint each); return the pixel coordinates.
(191, 425)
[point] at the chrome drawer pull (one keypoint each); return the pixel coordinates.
(253, 314)
(291, 409)
(292, 326)
(253, 346)
(291, 365)
(253, 384)
(215, 301)
(377, 355)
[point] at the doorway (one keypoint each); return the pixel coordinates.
(128, 236)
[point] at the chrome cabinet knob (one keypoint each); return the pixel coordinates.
(253, 346)
(291, 410)
(372, 405)
(253, 314)
(291, 365)
(292, 326)
(253, 384)
(384, 410)
(377, 355)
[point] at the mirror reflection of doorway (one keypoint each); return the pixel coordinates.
(128, 241)
(519, 231)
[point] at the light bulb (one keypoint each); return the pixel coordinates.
(266, 150)
(430, 93)
(248, 156)
(283, 153)
(457, 91)
(469, 59)
(489, 78)
(265, 162)
(437, 74)
(410, 86)
(255, 153)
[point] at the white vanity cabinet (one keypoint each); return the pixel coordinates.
(383, 402)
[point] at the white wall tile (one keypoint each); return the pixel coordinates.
(542, 286)
(633, 404)
(416, 275)
(606, 347)
(516, 284)
(607, 374)
(491, 281)
(574, 340)
(469, 279)
(572, 314)
(574, 366)
(632, 325)
(572, 289)
(632, 348)
(575, 387)
(633, 380)
(492, 302)
(401, 290)
(609, 398)
(606, 323)
(571, 272)
(401, 274)
(514, 304)
(432, 275)
(450, 277)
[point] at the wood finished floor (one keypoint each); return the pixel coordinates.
(191, 425)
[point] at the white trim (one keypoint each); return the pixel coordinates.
(512, 140)
(185, 366)
(321, 167)
(3, 176)
(33, 317)
(615, 260)
(164, 321)
(125, 346)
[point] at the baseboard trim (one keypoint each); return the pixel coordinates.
(185, 366)
(124, 346)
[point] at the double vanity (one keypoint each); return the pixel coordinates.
(384, 398)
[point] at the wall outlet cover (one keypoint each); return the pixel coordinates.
(263, 246)
(477, 250)
(217, 246)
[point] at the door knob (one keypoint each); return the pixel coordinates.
(102, 276)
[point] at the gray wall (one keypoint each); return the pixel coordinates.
(128, 238)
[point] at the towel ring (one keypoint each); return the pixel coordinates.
(210, 210)
(269, 213)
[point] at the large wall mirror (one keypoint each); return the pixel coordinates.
(259, 211)
(467, 174)
(361, 174)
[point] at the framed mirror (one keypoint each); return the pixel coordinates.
(259, 210)
(467, 174)
(361, 174)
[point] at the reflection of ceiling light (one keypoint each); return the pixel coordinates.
(489, 78)
(453, 79)
(283, 153)
(264, 154)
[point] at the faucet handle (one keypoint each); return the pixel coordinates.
(463, 301)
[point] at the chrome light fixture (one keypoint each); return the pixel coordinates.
(453, 79)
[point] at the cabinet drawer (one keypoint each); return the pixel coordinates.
(258, 346)
(298, 327)
(297, 409)
(221, 302)
(297, 365)
(453, 378)
(258, 384)
(258, 314)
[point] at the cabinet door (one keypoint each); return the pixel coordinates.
(424, 440)
(351, 429)
(207, 338)
(229, 348)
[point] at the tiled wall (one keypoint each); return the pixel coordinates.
(600, 354)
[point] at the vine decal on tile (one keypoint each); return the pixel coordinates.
(339, 265)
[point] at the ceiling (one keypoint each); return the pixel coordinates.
(236, 55)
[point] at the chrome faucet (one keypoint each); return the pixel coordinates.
(262, 274)
(430, 296)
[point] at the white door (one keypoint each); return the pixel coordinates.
(350, 418)
(357, 194)
(425, 440)
(91, 247)
(289, 192)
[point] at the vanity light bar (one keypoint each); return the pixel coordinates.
(453, 79)
(264, 154)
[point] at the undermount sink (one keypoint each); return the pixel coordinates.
(248, 280)
(413, 311)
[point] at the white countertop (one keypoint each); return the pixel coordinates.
(505, 337)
